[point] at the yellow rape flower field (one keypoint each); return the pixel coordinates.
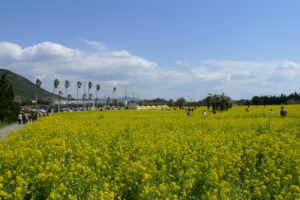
(155, 154)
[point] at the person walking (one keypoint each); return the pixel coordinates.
(20, 118)
(283, 112)
(23, 118)
(35, 116)
(26, 117)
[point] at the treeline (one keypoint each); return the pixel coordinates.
(217, 102)
(293, 98)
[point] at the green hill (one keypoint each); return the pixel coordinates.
(24, 89)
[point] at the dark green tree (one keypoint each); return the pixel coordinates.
(218, 102)
(8, 107)
(180, 102)
(255, 100)
(207, 100)
(170, 103)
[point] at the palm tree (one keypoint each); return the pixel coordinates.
(38, 84)
(97, 89)
(78, 87)
(60, 94)
(55, 84)
(67, 84)
(114, 90)
(90, 85)
(84, 95)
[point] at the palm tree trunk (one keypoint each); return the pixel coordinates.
(96, 98)
(113, 102)
(83, 95)
(53, 99)
(77, 97)
(36, 99)
(88, 97)
(66, 97)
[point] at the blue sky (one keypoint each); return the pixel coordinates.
(156, 48)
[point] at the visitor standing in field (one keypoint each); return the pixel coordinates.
(188, 112)
(204, 113)
(283, 112)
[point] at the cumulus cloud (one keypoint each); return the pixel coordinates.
(239, 79)
(49, 60)
(243, 79)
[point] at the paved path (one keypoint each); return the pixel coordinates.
(6, 129)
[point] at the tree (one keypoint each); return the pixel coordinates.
(78, 87)
(38, 84)
(97, 89)
(55, 84)
(114, 90)
(170, 103)
(8, 107)
(218, 102)
(207, 100)
(90, 85)
(67, 85)
(180, 102)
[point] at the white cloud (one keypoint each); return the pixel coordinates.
(96, 45)
(244, 79)
(204, 74)
(49, 60)
(9, 52)
(239, 79)
(183, 63)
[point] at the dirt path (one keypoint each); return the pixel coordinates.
(6, 129)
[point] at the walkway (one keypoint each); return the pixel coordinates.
(6, 129)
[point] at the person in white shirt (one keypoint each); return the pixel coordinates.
(20, 118)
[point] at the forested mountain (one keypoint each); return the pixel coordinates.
(24, 89)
